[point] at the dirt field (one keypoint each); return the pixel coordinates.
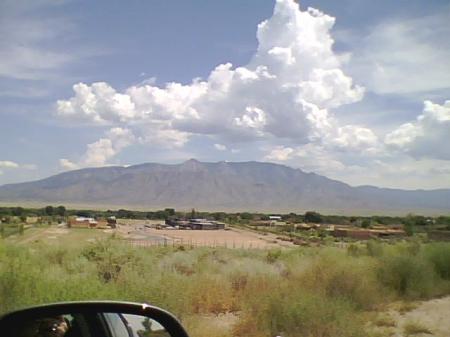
(60, 235)
(232, 238)
(432, 315)
(139, 235)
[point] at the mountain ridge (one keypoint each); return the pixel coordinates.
(250, 185)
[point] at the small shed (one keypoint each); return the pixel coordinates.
(82, 222)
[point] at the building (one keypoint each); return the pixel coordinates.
(82, 222)
(275, 217)
(366, 234)
(32, 219)
(439, 235)
(195, 223)
(203, 224)
(388, 233)
(306, 227)
(112, 221)
(354, 233)
(264, 223)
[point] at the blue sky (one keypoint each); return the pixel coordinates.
(84, 83)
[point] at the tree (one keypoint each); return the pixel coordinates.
(219, 216)
(408, 224)
(86, 214)
(170, 211)
(420, 221)
(379, 220)
(125, 214)
(365, 223)
(49, 210)
(408, 227)
(161, 215)
(313, 217)
(443, 220)
(193, 213)
(246, 216)
(61, 210)
(17, 211)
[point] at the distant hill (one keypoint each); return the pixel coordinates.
(252, 186)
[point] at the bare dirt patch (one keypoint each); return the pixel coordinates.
(232, 238)
(209, 325)
(427, 318)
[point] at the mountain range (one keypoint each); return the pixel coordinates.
(221, 186)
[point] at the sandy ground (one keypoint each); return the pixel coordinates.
(432, 314)
(140, 235)
(58, 234)
(232, 238)
(43, 234)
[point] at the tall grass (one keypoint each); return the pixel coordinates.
(299, 292)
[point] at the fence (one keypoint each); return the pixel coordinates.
(193, 244)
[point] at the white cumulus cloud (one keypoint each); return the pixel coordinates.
(66, 164)
(285, 91)
(426, 137)
(8, 164)
(279, 153)
(220, 147)
(99, 152)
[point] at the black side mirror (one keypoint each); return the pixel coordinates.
(91, 319)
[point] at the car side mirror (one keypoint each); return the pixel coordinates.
(91, 319)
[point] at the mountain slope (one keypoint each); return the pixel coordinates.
(219, 186)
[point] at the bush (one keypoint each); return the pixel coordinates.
(439, 255)
(374, 248)
(353, 250)
(351, 279)
(298, 313)
(414, 328)
(273, 255)
(409, 276)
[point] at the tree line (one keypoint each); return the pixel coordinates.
(235, 217)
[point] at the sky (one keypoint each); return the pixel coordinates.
(358, 91)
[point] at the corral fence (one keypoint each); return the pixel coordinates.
(193, 244)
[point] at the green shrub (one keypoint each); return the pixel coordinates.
(338, 276)
(414, 328)
(374, 248)
(439, 255)
(299, 313)
(408, 276)
(353, 250)
(385, 321)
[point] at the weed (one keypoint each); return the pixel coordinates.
(414, 328)
(385, 321)
(405, 307)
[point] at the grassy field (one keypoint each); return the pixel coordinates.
(315, 292)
